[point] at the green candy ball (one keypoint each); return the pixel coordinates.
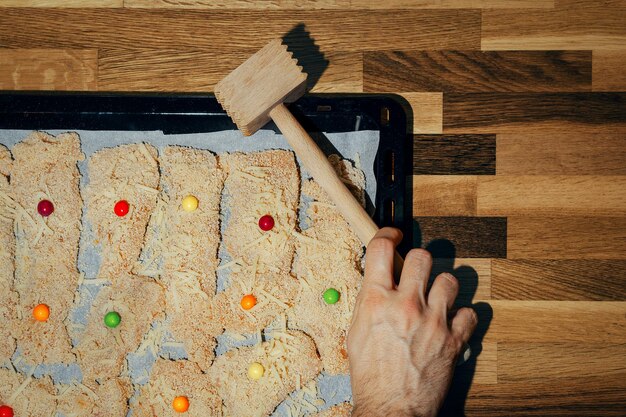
(112, 319)
(331, 296)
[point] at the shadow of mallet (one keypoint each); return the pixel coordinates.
(255, 93)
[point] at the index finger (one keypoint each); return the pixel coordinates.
(379, 258)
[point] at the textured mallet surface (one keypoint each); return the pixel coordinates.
(269, 77)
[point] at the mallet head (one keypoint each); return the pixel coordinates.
(268, 78)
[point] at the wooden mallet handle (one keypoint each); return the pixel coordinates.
(321, 169)
(255, 92)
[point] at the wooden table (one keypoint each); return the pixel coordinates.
(520, 150)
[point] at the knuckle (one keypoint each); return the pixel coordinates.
(472, 316)
(435, 326)
(420, 255)
(449, 280)
(407, 307)
(381, 245)
(372, 299)
(456, 344)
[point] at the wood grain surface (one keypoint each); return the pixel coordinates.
(521, 112)
(560, 280)
(518, 180)
(477, 71)
(565, 152)
(454, 154)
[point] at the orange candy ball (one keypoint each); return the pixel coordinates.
(180, 404)
(41, 312)
(248, 301)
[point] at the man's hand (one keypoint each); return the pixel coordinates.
(402, 344)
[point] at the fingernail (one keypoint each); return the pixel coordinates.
(450, 277)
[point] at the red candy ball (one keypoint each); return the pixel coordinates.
(45, 208)
(266, 223)
(121, 208)
(6, 411)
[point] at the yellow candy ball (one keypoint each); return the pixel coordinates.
(190, 203)
(256, 371)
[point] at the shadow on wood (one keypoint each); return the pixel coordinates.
(444, 253)
(308, 54)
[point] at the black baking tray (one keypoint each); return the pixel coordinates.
(196, 113)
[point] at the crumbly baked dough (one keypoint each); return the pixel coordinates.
(287, 358)
(102, 351)
(9, 329)
(285, 269)
(340, 410)
(27, 396)
(328, 256)
(258, 183)
(186, 243)
(131, 173)
(126, 172)
(170, 379)
(45, 167)
(109, 399)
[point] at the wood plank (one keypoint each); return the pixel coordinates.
(449, 195)
(332, 30)
(608, 71)
(557, 321)
(482, 369)
(48, 69)
(452, 4)
(427, 111)
(444, 195)
(344, 73)
(563, 280)
(474, 275)
(566, 237)
(562, 4)
(596, 396)
(343, 4)
(551, 195)
(523, 112)
(596, 27)
(561, 153)
(464, 237)
(486, 370)
(454, 154)
(524, 362)
(239, 4)
(477, 71)
(200, 70)
(62, 3)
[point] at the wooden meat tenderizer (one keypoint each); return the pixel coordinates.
(255, 92)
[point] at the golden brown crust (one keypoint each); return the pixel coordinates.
(170, 379)
(287, 357)
(45, 167)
